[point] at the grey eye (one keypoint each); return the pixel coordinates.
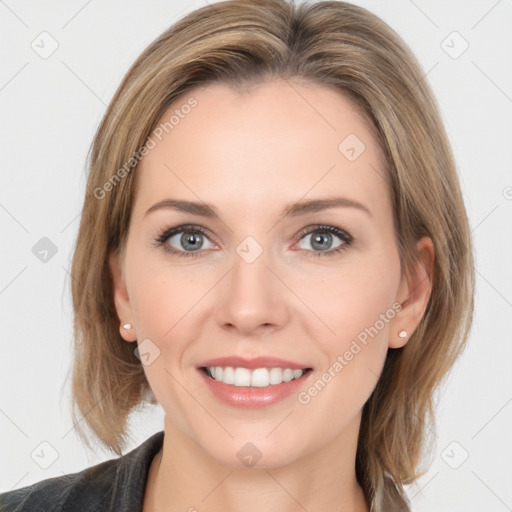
(321, 240)
(190, 241)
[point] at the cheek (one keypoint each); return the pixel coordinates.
(161, 300)
(168, 308)
(160, 295)
(357, 304)
(354, 297)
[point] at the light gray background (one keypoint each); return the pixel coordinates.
(50, 109)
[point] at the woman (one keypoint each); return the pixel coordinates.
(273, 247)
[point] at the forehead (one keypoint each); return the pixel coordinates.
(273, 143)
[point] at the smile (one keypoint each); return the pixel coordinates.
(255, 388)
(258, 377)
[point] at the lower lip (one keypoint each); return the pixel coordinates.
(249, 397)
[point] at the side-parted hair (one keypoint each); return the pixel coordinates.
(332, 44)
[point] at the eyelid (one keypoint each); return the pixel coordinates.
(168, 232)
(338, 231)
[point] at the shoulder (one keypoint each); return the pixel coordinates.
(98, 488)
(51, 494)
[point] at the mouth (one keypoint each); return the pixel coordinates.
(256, 378)
(253, 383)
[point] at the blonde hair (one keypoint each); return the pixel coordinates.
(333, 44)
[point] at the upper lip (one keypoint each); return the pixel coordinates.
(257, 362)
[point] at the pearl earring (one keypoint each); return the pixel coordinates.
(402, 334)
(127, 326)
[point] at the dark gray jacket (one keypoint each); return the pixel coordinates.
(116, 485)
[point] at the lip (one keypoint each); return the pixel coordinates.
(252, 364)
(249, 397)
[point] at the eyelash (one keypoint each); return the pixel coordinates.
(189, 228)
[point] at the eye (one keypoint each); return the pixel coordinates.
(323, 239)
(189, 239)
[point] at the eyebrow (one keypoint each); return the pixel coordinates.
(291, 210)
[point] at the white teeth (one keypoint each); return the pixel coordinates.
(242, 377)
(276, 376)
(218, 373)
(288, 375)
(297, 373)
(229, 375)
(259, 378)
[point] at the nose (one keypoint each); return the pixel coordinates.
(253, 300)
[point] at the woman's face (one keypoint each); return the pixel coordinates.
(265, 276)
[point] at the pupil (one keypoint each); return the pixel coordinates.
(326, 237)
(191, 241)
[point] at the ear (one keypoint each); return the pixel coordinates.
(413, 293)
(121, 299)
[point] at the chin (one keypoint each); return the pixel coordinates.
(254, 452)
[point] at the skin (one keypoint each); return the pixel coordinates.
(250, 154)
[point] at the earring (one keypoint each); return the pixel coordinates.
(402, 334)
(127, 326)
